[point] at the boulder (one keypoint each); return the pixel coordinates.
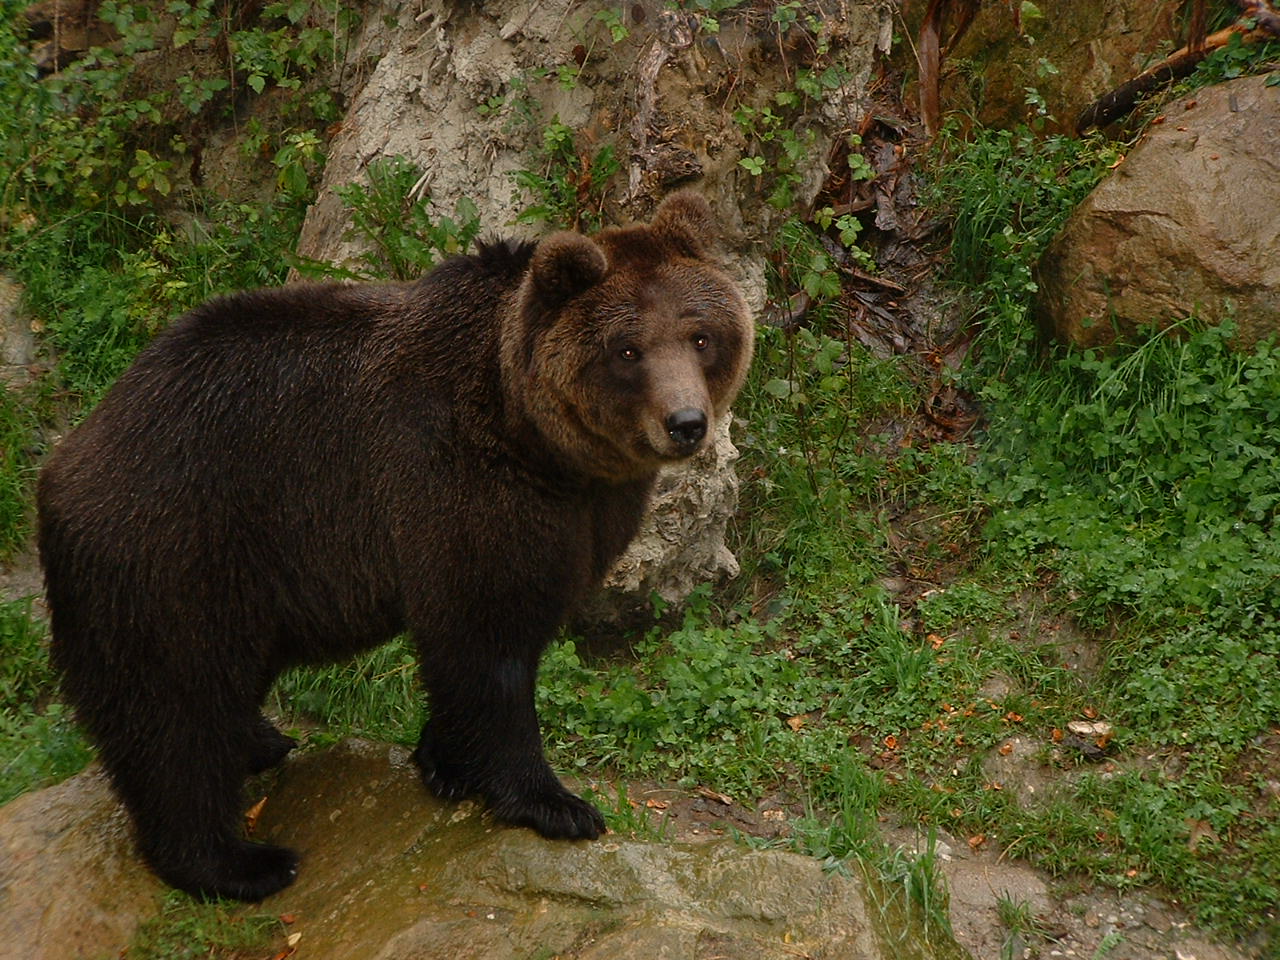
(1189, 223)
(71, 887)
(389, 873)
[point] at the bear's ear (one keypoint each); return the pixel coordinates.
(564, 265)
(685, 219)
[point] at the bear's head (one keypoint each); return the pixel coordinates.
(625, 349)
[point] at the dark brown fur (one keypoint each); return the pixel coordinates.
(295, 475)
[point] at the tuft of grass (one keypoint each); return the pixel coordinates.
(1022, 926)
(39, 743)
(626, 816)
(187, 929)
(375, 694)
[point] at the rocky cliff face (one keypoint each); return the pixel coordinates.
(468, 91)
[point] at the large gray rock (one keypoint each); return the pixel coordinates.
(390, 874)
(1189, 222)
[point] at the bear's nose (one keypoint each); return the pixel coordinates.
(687, 427)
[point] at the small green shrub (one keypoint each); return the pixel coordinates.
(394, 222)
(568, 191)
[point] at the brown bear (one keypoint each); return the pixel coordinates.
(291, 476)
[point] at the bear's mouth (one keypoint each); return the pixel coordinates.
(671, 450)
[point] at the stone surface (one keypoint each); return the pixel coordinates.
(1189, 222)
(17, 343)
(71, 886)
(389, 873)
(466, 91)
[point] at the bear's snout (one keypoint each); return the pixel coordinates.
(686, 428)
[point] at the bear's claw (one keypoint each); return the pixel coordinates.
(561, 816)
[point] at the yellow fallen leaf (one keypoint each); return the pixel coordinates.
(252, 814)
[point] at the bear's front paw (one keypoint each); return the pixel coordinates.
(556, 814)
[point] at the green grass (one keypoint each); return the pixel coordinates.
(186, 929)
(38, 742)
(374, 695)
(19, 447)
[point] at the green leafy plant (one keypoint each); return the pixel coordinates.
(568, 190)
(777, 148)
(612, 20)
(1235, 59)
(392, 216)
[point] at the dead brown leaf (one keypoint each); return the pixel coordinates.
(1199, 830)
(252, 814)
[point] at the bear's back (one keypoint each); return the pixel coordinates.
(285, 401)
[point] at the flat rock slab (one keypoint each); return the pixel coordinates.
(389, 873)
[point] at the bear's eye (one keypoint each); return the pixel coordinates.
(629, 353)
(701, 341)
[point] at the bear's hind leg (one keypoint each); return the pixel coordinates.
(181, 780)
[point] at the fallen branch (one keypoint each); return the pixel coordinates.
(1259, 22)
